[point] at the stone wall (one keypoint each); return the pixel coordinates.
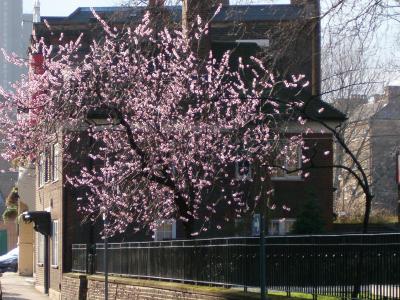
(74, 287)
(80, 287)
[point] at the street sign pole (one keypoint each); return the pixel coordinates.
(105, 257)
(262, 251)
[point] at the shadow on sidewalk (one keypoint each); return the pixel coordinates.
(15, 287)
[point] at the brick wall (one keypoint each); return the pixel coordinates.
(49, 197)
(75, 287)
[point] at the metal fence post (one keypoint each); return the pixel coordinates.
(245, 267)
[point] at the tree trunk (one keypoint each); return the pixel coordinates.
(359, 268)
(188, 228)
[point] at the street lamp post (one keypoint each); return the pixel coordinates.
(264, 218)
(105, 258)
(100, 117)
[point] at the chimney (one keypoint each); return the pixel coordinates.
(393, 94)
(312, 12)
(36, 12)
(205, 9)
(378, 97)
(37, 62)
(192, 8)
(358, 99)
(303, 2)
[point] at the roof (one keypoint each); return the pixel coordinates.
(244, 13)
(367, 111)
(388, 112)
(314, 107)
(320, 109)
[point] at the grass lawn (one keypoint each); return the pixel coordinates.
(232, 293)
(300, 296)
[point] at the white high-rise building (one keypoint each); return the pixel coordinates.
(36, 11)
(10, 37)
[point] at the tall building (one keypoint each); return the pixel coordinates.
(11, 40)
(10, 24)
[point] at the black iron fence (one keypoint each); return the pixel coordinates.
(318, 265)
(79, 258)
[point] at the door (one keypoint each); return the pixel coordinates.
(3, 242)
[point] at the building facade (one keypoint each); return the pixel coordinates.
(259, 28)
(384, 151)
(370, 132)
(26, 190)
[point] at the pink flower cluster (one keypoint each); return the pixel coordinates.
(180, 124)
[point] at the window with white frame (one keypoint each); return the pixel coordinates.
(54, 243)
(243, 170)
(55, 161)
(256, 225)
(166, 230)
(274, 227)
(40, 248)
(41, 169)
(281, 226)
(47, 167)
(289, 161)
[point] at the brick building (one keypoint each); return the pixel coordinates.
(248, 30)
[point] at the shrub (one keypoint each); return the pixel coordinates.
(12, 199)
(309, 219)
(10, 213)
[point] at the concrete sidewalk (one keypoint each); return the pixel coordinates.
(19, 288)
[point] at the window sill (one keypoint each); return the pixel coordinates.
(54, 266)
(40, 264)
(48, 183)
(288, 178)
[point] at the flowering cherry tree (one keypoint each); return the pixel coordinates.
(177, 125)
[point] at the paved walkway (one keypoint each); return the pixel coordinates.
(16, 287)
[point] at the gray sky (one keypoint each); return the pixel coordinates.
(65, 7)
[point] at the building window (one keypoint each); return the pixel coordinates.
(255, 225)
(281, 226)
(289, 162)
(40, 248)
(49, 165)
(243, 170)
(166, 230)
(42, 169)
(54, 243)
(47, 169)
(55, 162)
